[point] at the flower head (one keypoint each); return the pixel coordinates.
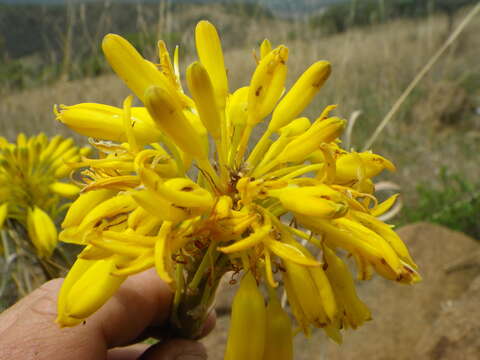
(176, 188)
(31, 192)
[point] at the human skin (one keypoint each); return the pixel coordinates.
(138, 310)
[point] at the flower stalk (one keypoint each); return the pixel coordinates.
(194, 299)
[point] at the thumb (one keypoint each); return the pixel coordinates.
(176, 349)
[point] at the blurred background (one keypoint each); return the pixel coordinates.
(50, 54)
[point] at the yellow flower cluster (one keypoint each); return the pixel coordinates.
(30, 186)
(176, 188)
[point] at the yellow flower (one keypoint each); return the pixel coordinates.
(87, 287)
(3, 213)
(106, 122)
(31, 192)
(248, 317)
(41, 231)
(194, 203)
(278, 338)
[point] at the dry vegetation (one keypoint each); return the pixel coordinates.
(439, 124)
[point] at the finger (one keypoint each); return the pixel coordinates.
(131, 352)
(29, 330)
(176, 349)
(143, 300)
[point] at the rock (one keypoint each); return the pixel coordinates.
(456, 332)
(448, 261)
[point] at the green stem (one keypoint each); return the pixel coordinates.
(207, 260)
(180, 283)
(191, 308)
(6, 248)
(6, 256)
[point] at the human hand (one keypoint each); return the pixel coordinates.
(138, 310)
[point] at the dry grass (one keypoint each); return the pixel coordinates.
(372, 66)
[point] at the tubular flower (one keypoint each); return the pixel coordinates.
(278, 341)
(282, 211)
(248, 317)
(31, 190)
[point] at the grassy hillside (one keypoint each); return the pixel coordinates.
(41, 43)
(28, 29)
(45, 40)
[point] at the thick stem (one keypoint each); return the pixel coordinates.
(192, 306)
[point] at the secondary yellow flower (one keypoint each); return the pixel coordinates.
(41, 231)
(182, 193)
(30, 188)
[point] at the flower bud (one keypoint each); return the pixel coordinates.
(3, 213)
(42, 231)
(265, 48)
(278, 341)
(88, 285)
(168, 114)
(348, 165)
(203, 93)
(303, 291)
(295, 128)
(267, 84)
(209, 49)
(113, 206)
(131, 67)
(355, 311)
(300, 95)
(64, 189)
(83, 204)
(303, 145)
(315, 201)
(105, 122)
(246, 337)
